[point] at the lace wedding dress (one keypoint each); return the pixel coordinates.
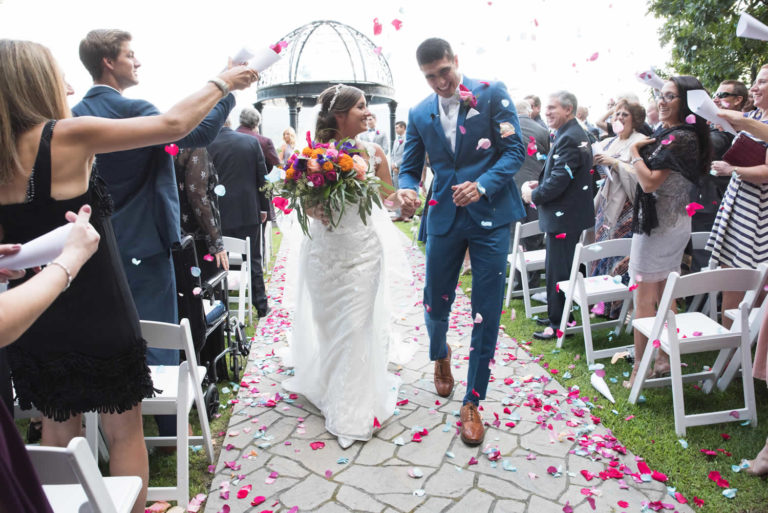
(340, 343)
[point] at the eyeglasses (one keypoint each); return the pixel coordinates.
(667, 97)
(723, 94)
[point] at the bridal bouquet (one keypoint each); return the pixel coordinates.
(329, 176)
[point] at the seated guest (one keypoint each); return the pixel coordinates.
(19, 308)
(616, 194)
(85, 353)
(196, 178)
(668, 168)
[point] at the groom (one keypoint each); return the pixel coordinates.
(470, 130)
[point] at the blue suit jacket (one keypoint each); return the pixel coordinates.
(146, 219)
(492, 168)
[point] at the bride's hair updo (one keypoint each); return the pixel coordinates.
(336, 99)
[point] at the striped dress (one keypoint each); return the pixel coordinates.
(739, 236)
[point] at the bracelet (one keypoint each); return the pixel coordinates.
(66, 270)
(223, 87)
(635, 160)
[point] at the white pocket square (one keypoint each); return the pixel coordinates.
(472, 113)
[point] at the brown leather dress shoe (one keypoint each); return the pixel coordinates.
(472, 431)
(443, 376)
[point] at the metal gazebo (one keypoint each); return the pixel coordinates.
(319, 55)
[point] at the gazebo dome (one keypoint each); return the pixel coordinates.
(319, 55)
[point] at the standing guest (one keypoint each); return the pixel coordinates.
(668, 168)
(474, 201)
(240, 163)
(738, 234)
(535, 103)
(396, 159)
(20, 307)
(616, 194)
(142, 183)
(652, 115)
(289, 143)
(85, 353)
(563, 197)
(537, 141)
(200, 216)
(375, 135)
(581, 114)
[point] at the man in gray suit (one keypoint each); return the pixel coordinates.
(375, 135)
(396, 158)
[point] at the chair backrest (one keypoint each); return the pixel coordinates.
(233, 245)
(605, 249)
(528, 229)
(699, 240)
(73, 464)
(163, 335)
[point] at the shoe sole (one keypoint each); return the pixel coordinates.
(472, 442)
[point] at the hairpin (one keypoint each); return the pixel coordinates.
(335, 95)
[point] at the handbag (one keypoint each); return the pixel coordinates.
(745, 152)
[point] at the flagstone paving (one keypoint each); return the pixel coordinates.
(542, 450)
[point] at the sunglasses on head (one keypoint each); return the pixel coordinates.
(723, 94)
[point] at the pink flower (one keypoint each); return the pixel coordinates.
(466, 96)
(331, 176)
(316, 179)
(360, 166)
(313, 166)
(332, 153)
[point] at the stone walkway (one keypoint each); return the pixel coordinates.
(544, 451)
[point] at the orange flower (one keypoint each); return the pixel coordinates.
(307, 152)
(318, 151)
(345, 162)
(289, 173)
(328, 165)
(360, 165)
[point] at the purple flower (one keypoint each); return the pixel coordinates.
(300, 165)
(316, 179)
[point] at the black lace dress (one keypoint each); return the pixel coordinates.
(85, 352)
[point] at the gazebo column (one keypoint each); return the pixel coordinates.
(293, 113)
(392, 112)
(260, 107)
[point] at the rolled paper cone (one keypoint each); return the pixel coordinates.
(245, 54)
(650, 78)
(601, 386)
(701, 104)
(263, 58)
(39, 251)
(751, 28)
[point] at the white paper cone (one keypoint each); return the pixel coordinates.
(39, 251)
(700, 103)
(263, 58)
(601, 386)
(751, 28)
(245, 54)
(650, 78)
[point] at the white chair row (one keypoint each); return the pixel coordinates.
(240, 280)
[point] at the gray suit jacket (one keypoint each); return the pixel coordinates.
(377, 137)
(531, 168)
(396, 157)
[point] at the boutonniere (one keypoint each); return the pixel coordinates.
(466, 97)
(378, 133)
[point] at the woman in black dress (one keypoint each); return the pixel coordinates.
(85, 352)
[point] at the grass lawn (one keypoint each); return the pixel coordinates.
(650, 432)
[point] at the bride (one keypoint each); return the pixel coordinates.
(342, 323)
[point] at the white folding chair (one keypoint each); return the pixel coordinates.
(180, 388)
(240, 280)
(695, 332)
(595, 289)
(728, 363)
(699, 242)
(266, 246)
(525, 262)
(73, 484)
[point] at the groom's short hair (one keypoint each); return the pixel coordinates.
(433, 49)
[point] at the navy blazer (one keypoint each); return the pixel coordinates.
(563, 197)
(134, 191)
(492, 167)
(240, 164)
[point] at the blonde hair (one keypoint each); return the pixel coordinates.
(31, 92)
(291, 136)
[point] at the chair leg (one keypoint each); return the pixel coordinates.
(526, 293)
(586, 326)
(747, 381)
(204, 424)
(622, 316)
(727, 363)
(676, 373)
(182, 453)
(510, 284)
(642, 372)
(566, 315)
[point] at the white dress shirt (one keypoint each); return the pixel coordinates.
(449, 117)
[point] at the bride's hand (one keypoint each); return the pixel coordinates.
(392, 202)
(318, 212)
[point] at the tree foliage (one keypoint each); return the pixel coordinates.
(704, 42)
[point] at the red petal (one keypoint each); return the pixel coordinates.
(243, 492)
(560, 236)
(432, 202)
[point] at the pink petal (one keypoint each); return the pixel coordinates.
(397, 24)
(483, 144)
(478, 318)
(632, 287)
(376, 422)
(623, 504)
(472, 461)
(377, 50)
(657, 343)
(560, 236)
(328, 474)
(258, 500)
(243, 492)
(462, 130)
(594, 56)
(376, 27)
(690, 119)
(658, 476)
(317, 445)
(196, 291)
(172, 149)
(567, 508)
(559, 333)
(209, 258)
(432, 202)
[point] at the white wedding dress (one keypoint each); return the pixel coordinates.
(343, 326)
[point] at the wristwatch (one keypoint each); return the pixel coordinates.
(218, 82)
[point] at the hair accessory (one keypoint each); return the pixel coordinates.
(335, 95)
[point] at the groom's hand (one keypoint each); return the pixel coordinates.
(465, 193)
(409, 201)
